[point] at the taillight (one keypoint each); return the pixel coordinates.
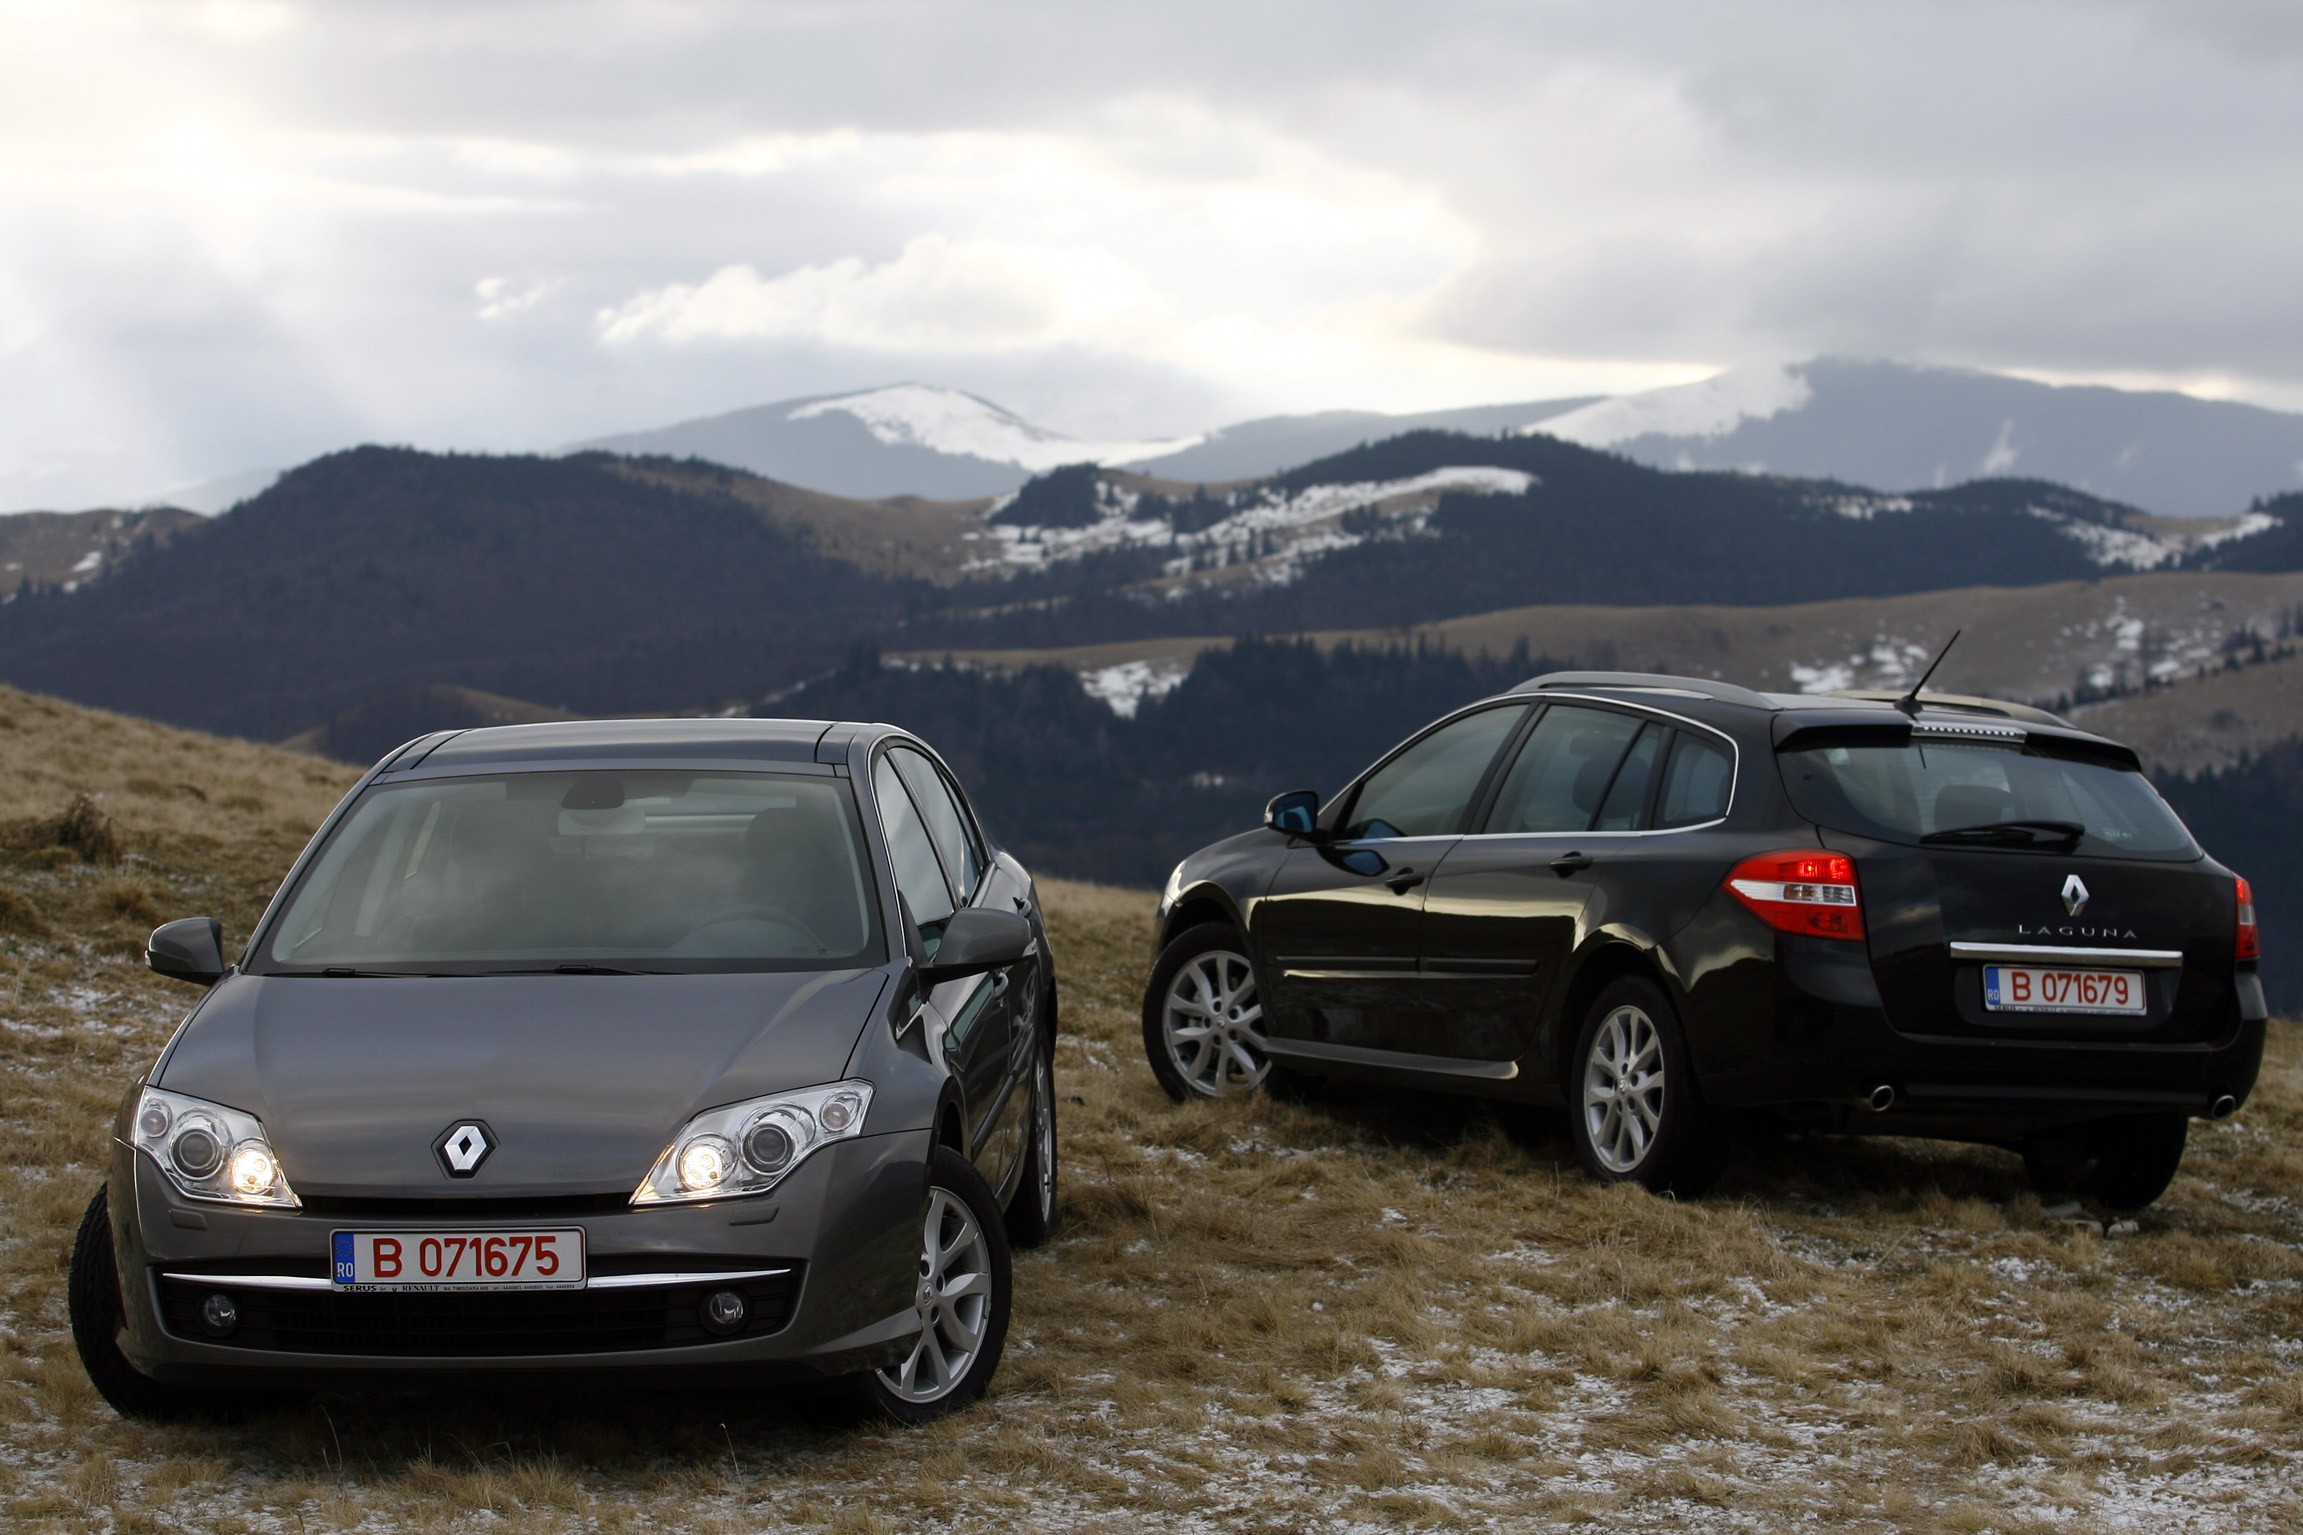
(2250, 941)
(1801, 892)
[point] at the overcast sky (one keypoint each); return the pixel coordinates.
(236, 234)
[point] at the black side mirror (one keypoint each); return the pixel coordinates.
(977, 940)
(1295, 813)
(188, 950)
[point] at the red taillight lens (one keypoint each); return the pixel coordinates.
(1801, 892)
(2250, 941)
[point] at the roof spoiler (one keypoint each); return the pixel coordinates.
(1650, 682)
(1964, 703)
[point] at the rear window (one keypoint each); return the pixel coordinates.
(647, 871)
(1954, 793)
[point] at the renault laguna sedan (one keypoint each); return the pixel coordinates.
(660, 1052)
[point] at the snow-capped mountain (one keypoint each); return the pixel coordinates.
(906, 439)
(1899, 427)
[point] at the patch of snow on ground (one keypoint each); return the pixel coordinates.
(953, 421)
(1889, 663)
(1864, 508)
(2247, 525)
(1128, 684)
(2113, 546)
(1712, 408)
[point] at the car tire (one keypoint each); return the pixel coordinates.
(1031, 1212)
(2125, 1163)
(1203, 1016)
(1635, 1113)
(963, 1241)
(93, 1299)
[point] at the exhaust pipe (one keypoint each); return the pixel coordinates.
(1881, 1100)
(2223, 1107)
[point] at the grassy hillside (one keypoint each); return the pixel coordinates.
(1370, 1310)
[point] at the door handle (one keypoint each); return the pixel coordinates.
(1404, 881)
(1570, 863)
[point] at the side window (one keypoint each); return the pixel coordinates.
(1627, 801)
(1425, 790)
(1563, 771)
(919, 874)
(955, 839)
(1697, 783)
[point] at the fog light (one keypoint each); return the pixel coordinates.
(724, 1311)
(219, 1314)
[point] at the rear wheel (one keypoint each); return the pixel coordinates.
(2126, 1162)
(1203, 1016)
(962, 1300)
(92, 1295)
(1031, 1214)
(1634, 1112)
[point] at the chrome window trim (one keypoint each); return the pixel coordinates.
(1734, 777)
(2058, 954)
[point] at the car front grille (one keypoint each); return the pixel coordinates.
(472, 1324)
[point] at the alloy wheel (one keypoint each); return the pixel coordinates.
(953, 1301)
(1623, 1089)
(1212, 1021)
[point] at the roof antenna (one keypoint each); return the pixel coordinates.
(1909, 702)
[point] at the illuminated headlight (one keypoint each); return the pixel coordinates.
(1172, 889)
(211, 1152)
(747, 1148)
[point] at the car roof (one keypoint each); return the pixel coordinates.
(734, 740)
(1716, 702)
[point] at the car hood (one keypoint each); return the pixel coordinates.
(583, 1080)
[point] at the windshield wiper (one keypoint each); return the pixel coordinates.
(572, 967)
(2028, 833)
(348, 973)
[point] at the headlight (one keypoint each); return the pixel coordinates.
(211, 1152)
(1169, 892)
(746, 1148)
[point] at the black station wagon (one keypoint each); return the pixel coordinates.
(1652, 901)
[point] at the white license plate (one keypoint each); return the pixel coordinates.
(2022, 989)
(458, 1260)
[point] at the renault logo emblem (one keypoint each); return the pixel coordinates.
(461, 1148)
(2075, 895)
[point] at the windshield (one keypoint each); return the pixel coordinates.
(1986, 796)
(640, 871)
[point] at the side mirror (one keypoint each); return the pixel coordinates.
(977, 940)
(1295, 813)
(188, 950)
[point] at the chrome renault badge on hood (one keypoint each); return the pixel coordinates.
(462, 1147)
(2074, 895)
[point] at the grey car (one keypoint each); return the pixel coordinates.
(659, 1051)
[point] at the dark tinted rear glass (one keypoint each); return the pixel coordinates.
(1906, 793)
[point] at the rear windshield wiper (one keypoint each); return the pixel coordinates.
(2027, 833)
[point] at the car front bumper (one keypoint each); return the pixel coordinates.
(827, 1261)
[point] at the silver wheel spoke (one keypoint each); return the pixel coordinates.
(1212, 1025)
(1623, 1089)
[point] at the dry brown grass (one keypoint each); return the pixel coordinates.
(1370, 1310)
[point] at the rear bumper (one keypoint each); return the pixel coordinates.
(843, 1230)
(1828, 1048)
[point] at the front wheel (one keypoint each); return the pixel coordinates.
(962, 1299)
(1203, 1016)
(92, 1296)
(1634, 1112)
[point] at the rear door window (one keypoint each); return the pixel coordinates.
(1697, 782)
(1427, 789)
(1563, 774)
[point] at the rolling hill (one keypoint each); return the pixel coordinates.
(1899, 426)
